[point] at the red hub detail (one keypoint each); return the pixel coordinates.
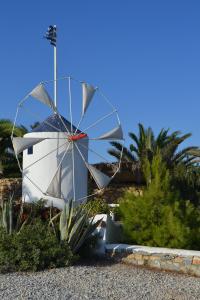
(77, 137)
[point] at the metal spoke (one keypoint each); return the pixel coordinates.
(45, 155)
(107, 139)
(49, 124)
(91, 150)
(63, 123)
(60, 163)
(79, 123)
(61, 78)
(52, 80)
(14, 124)
(98, 121)
(89, 196)
(73, 173)
(105, 98)
(108, 102)
(120, 160)
(24, 175)
(87, 165)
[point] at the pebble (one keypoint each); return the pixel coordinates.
(99, 282)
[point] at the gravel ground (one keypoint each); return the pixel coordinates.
(111, 281)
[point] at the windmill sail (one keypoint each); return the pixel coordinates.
(115, 134)
(101, 179)
(88, 93)
(20, 143)
(54, 189)
(40, 93)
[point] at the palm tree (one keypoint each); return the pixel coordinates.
(183, 164)
(8, 164)
(145, 146)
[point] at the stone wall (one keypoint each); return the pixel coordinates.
(8, 186)
(127, 179)
(129, 173)
(168, 262)
(182, 261)
(114, 192)
(111, 194)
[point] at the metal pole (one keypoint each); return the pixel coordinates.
(55, 76)
(70, 105)
(73, 173)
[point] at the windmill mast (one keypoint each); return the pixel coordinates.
(55, 75)
(51, 35)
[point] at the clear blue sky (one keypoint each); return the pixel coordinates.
(145, 55)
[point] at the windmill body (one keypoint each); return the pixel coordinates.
(57, 155)
(48, 167)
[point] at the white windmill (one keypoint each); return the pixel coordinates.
(56, 152)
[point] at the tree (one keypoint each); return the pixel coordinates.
(183, 164)
(160, 217)
(8, 163)
(145, 145)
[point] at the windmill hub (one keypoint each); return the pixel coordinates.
(76, 137)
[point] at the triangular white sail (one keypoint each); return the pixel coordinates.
(101, 179)
(88, 93)
(20, 143)
(41, 94)
(54, 189)
(115, 134)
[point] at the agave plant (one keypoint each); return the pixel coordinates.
(7, 217)
(75, 226)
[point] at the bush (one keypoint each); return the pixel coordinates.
(187, 181)
(98, 206)
(34, 237)
(159, 217)
(88, 248)
(34, 248)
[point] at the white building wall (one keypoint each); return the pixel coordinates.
(40, 168)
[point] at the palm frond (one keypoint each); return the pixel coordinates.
(134, 137)
(134, 149)
(118, 147)
(114, 153)
(162, 138)
(183, 154)
(194, 152)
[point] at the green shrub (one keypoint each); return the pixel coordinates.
(88, 247)
(159, 217)
(98, 206)
(34, 248)
(14, 216)
(187, 181)
(34, 237)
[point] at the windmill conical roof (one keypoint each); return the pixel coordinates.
(54, 124)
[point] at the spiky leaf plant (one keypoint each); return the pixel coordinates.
(75, 226)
